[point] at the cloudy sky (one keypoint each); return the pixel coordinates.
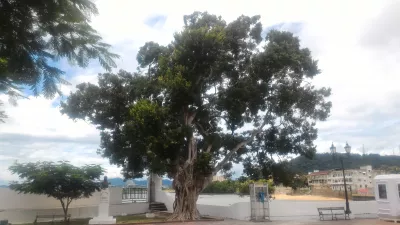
(357, 44)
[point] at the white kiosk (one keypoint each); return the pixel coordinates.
(387, 195)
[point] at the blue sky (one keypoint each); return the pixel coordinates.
(357, 55)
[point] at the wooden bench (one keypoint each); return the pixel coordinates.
(52, 217)
(333, 212)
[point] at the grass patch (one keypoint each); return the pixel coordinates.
(57, 222)
(137, 219)
(141, 218)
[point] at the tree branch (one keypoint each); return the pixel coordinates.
(238, 146)
(191, 118)
(62, 204)
(209, 148)
(201, 129)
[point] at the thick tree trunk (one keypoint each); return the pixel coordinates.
(187, 183)
(187, 192)
(185, 207)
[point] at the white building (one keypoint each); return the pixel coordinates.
(218, 178)
(357, 180)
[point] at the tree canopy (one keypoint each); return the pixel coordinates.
(61, 181)
(217, 94)
(34, 34)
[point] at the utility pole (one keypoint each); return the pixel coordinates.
(363, 150)
(347, 211)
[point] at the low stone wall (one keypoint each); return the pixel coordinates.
(16, 216)
(289, 210)
(328, 192)
(21, 208)
(363, 198)
(10, 199)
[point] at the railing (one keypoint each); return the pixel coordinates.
(134, 194)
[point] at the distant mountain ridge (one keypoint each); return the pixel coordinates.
(325, 161)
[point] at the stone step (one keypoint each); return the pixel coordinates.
(158, 206)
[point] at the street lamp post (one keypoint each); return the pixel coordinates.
(347, 148)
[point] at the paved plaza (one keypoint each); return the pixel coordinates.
(339, 222)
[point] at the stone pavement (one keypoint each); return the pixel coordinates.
(307, 222)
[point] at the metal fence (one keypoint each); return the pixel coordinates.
(134, 194)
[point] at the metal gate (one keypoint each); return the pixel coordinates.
(259, 202)
(134, 194)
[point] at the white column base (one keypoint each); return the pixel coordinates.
(103, 220)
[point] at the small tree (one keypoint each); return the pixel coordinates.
(62, 181)
(299, 181)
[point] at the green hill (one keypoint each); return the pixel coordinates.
(325, 161)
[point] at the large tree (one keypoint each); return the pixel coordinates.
(34, 34)
(61, 181)
(203, 101)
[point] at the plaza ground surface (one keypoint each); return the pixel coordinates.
(339, 222)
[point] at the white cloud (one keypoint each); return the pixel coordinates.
(36, 131)
(356, 43)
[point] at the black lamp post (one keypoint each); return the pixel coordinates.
(347, 148)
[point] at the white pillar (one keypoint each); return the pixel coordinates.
(103, 212)
(157, 182)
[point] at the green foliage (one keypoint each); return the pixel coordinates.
(299, 181)
(236, 187)
(325, 161)
(244, 188)
(187, 116)
(222, 187)
(144, 111)
(35, 33)
(61, 181)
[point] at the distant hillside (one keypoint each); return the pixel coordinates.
(325, 162)
(120, 182)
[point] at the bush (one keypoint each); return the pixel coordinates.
(244, 187)
(235, 187)
(222, 187)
